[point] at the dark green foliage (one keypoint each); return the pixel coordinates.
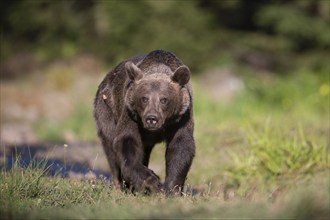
(298, 25)
(200, 31)
(304, 24)
(114, 30)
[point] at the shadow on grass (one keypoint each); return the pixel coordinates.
(26, 156)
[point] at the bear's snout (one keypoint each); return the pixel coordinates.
(151, 122)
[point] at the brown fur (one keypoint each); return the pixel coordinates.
(143, 101)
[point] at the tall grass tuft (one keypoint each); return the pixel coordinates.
(275, 156)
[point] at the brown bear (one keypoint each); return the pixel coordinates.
(145, 100)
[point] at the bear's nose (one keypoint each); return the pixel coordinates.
(151, 120)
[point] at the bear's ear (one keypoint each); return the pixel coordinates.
(181, 75)
(133, 72)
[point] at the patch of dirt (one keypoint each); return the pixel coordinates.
(50, 92)
(222, 84)
(31, 92)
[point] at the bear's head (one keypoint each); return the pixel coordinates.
(156, 98)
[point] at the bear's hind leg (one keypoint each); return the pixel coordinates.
(111, 158)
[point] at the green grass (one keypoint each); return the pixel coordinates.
(274, 157)
(81, 124)
(30, 195)
(263, 155)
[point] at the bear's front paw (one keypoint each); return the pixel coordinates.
(152, 182)
(147, 181)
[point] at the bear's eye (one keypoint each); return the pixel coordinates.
(144, 100)
(163, 101)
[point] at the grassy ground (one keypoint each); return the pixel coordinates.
(264, 154)
(28, 195)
